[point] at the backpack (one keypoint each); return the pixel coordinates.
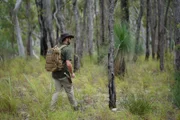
(53, 59)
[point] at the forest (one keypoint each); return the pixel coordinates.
(126, 59)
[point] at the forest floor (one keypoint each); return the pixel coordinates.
(143, 93)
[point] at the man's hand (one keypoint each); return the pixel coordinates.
(72, 75)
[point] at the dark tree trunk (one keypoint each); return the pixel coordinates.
(165, 25)
(159, 23)
(147, 31)
(45, 21)
(102, 19)
(171, 30)
(112, 90)
(153, 26)
(177, 36)
(176, 87)
(161, 34)
(125, 11)
(98, 31)
(137, 45)
(43, 36)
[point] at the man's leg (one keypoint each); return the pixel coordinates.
(70, 92)
(56, 94)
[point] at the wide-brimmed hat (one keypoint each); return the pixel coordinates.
(65, 35)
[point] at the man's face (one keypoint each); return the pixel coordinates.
(68, 41)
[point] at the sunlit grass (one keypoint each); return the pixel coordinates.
(26, 90)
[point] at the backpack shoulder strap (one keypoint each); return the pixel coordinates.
(62, 47)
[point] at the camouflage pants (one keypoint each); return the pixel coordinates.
(63, 83)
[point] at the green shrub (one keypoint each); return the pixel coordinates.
(138, 105)
(176, 94)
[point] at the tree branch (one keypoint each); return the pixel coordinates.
(18, 3)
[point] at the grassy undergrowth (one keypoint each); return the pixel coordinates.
(144, 93)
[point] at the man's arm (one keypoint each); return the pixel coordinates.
(70, 68)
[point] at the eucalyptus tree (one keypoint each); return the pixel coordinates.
(46, 27)
(58, 15)
(111, 76)
(137, 44)
(166, 28)
(153, 25)
(162, 27)
(176, 4)
(102, 21)
(90, 27)
(147, 30)
(30, 29)
(125, 11)
(77, 55)
(47, 14)
(18, 29)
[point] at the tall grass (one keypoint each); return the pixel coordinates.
(144, 92)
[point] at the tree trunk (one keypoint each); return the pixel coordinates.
(29, 36)
(177, 36)
(58, 15)
(137, 45)
(97, 31)
(77, 48)
(176, 87)
(90, 26)
(147, 31)
(112, 90)
(165, 26)
(21, 49)
(125, 11)
(45, 21)
(84, 28)
(102, 19)
(48, 21)
(153, 26)
(159, 24)
(171, 30)
(43, 32)
(161, 33)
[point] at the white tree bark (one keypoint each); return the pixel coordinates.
(18, 29)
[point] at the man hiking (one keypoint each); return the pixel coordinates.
(62, 78)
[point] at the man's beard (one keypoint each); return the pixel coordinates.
(68, 42)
